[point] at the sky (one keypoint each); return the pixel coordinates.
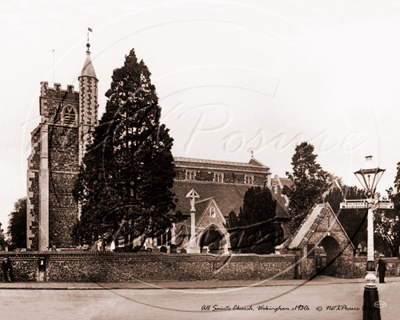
(231, 76)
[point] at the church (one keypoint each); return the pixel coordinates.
(207, 190)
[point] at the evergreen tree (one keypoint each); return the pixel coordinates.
(17, 224)
(125, 181)
(354, 221)
(387, 222)
(254, 230)
(309, 184)
(334, 198)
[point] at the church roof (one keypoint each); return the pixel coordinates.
(281, 211)
(229, 197)
(88, 69)
(286, 182)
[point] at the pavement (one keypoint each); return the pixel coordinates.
(206, 284)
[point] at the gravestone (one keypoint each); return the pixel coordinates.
(164, 249)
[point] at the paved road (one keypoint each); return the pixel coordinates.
(187, 303)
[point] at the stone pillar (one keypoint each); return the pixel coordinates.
(44, 190)
(192, 225)
(173, 234)
(227, 243)
(192, 247)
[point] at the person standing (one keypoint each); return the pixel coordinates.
(381, 270)
(6, 267)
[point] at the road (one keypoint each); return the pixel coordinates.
(279, 302)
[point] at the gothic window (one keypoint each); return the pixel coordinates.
(218, 177)
(190, 175)
(69, 115)
(248, 179)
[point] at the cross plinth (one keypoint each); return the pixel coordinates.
(192, 195)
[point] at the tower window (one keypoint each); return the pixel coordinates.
(69, 115)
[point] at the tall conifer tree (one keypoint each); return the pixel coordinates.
(309, 183)
(17, 225)
(254, 230)
(126, 177)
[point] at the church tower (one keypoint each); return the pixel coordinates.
(58, 144)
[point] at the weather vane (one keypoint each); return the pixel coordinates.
(89, 30)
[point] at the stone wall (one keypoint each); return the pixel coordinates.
(146, 266)
(360, 264)
(33, 191)
(64, 168)
(121, 267)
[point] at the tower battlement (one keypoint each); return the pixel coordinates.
(57, 92)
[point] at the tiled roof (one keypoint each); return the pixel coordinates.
(286, 182)
(229, 197)
(200, 206)
(281, 211)
(306, 225)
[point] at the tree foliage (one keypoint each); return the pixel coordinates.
(353, 220)
(17, 224)
(3, 241)
(387, 222)
(254, 230)
(125, 181)
(309, 184)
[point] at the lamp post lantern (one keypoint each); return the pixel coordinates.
(369, 177)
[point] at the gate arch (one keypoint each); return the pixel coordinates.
(214, 238)
(334, 258)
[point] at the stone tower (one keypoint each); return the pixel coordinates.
(58, 144)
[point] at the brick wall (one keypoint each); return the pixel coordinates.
(119, 267)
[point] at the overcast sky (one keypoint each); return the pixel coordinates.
(232, 76)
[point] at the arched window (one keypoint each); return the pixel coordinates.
(69, 115)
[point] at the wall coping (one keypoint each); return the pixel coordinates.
(142, 254)
(387, 259)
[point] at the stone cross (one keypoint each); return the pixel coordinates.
(192, 195)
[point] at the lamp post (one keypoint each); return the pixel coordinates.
(369, 177)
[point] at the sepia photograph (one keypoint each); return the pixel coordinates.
(200, 159)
